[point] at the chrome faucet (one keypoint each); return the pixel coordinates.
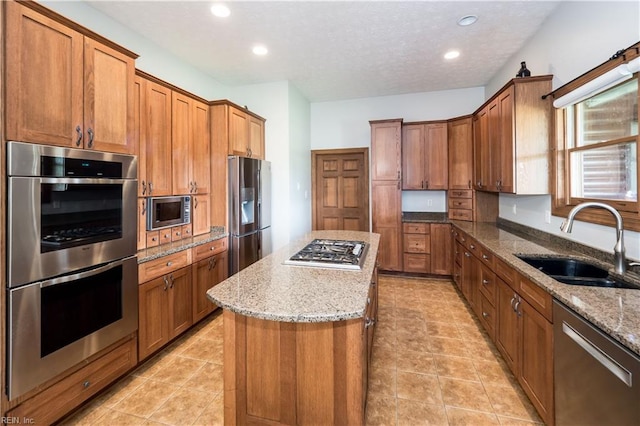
(618, 249)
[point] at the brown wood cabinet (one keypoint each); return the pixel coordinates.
(441, 249)
(165, 310)
(424, 156)
(460, 135)
(190, 145)
(241, 129)
(511, 138)
(417, 247)
(63, 87)
(157, 137)
(207, 273)
(386, 193)
(200, 214)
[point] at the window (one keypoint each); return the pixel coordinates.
(600, 148)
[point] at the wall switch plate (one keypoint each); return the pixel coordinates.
(547, 216)
(429, 203)
(515, 211)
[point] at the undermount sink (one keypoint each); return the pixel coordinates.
(575, 272)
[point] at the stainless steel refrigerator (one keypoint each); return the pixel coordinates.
(249, 211)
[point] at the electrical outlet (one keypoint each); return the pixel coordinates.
(429, 202)
(547, 216)
(515, 210)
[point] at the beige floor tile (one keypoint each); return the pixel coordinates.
(446, 346)
(178, 371)
(383, 381)
(419, 387)
(494, 373)
(471, 332)
(154, 364)
(415, 361)
(442, 329)
(384, 357)
(381, 410)
(508, 401)
(183, 407)
(464, 394)
(88, 415)
(413, 341)
(416, 413)
(113, 417)
(119, 391)
(204, 350)
(146, 399)
(482, 350)
(459, 416)
(213, 414)
(210, 379)
(509, 421)
(456, 367)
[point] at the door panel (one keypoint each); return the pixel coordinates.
(340, 190)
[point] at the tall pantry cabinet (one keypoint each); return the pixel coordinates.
(386, 191)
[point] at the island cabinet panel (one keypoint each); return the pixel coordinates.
(293, 373)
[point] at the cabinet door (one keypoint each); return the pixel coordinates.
(200, 214)
(436, 157)
(180, 301)
(206, 274)
(256, 137)
(507, 332)
(181, 141)
(158, 139)
(44, 79)
(493, 146)
(536, 359)
(482, 150)
(507, 140)
(139, 110)
(386, 159)
(413, 156)
(201, 149)
(142, 223)
(153, 331)
(387, 213)
(441, 248)
(108, 99)
(460, 138)
(238, 132)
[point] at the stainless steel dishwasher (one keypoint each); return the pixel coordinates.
(594, 375)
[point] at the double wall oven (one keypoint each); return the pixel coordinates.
(71, 258)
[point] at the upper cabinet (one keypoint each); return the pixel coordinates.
(460, 137)
(386, 157)
(512, 138)
(65, 88)
(242, 129)
(424, 156)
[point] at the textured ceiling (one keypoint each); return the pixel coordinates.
(333, 50)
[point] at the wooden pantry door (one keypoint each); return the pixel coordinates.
(340, 189)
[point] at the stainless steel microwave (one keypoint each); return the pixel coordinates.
(168, 211)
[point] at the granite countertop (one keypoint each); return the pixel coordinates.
(271, 290)
(153, 253)
(428, 217)
(615, 311)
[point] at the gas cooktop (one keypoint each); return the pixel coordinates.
(324, 253)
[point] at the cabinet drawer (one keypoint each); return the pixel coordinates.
(54, 402)
(505, 272)
(165, 236)
(461, 193)
(460, 214)
(209, 249)
(537, 297)
(459, 250)
(415, 228)
(473, 247)
(187, 231)
(420, 263)
(417, 243)
(488, 283)
(460, 203)
(176, 233)
(158, 267)
(486, 256)
(487, 315)
(153, 238)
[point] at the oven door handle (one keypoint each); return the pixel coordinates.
(84, 274)
(83, 181)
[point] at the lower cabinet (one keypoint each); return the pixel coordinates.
(517, 315)
(427, 248)
(165, 310)
(206, 273)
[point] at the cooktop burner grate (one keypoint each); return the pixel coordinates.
(325, 253)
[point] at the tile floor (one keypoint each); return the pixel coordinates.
(432, 364)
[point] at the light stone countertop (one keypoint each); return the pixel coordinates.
(271, 290)
(615, 311)
(166, 249)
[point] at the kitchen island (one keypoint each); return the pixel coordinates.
(298, 339)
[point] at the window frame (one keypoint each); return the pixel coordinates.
(562, 201)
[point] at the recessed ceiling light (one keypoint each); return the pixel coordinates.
(452, 54)
(260, 50)
(467, 20)
(220, 10)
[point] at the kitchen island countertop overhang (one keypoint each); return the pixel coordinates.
(272, 290)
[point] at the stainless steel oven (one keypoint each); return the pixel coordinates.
(72, 276)
(67, 209)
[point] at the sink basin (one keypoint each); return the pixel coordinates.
(575, 272)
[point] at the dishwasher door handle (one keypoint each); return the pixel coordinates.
(598, 354)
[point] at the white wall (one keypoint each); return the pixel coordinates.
(576, 38)
(299, 163)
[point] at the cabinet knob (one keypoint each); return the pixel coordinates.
(485, 257)
(86, 384)
(485, 315)
(485, 282)
(169, 263)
